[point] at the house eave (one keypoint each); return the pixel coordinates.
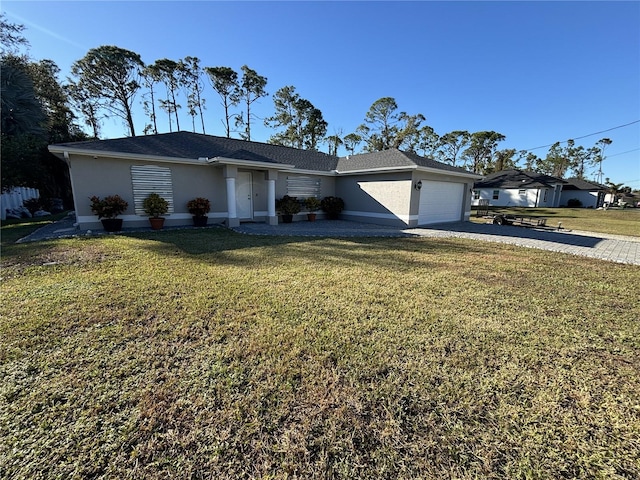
(409, 168)
(326, 173)
(404, 168)
(469, 175)
(66, 151)
(250, 163)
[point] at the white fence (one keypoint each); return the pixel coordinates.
(14, 199)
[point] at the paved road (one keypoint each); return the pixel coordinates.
(612, 248)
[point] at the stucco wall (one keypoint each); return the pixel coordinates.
(415, 194)
(327, 184)
(390, 198)
(106, 176)
(511, 197)
(327, 189)
(588, 199)
(383, 198)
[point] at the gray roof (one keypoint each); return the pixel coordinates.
(392, 158)
(195, 145)
(580, 184)
(186, 145)
(517, 179)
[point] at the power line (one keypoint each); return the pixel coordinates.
(622, 153)
(585, 136)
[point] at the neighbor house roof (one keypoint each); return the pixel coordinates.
(393, 159)
(517, 179)
(186, 145)
(196, 146)
(580, 184)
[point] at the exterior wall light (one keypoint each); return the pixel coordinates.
(418, 185)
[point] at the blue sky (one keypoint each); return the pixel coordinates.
(537, 72)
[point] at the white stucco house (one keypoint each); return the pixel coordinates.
(589, 194)
(243, 179)
(517, 188)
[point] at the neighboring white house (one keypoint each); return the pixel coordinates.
(243, 179)
(590, 195)
(517, 188)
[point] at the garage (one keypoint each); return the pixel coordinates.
(440, 202)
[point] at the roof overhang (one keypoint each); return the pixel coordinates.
(409, 168)
(65, 151)
(250, 163)
(361, 171)
(469, 175)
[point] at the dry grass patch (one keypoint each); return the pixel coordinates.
(205, 354)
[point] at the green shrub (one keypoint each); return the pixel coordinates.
(154, 205)
(332, 206)
(199, 207)
(108, 207)
(312, 204)
(288, 205)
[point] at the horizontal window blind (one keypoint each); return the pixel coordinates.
(148, 179)
(302, 186)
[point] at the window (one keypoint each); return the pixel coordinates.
(522, 192)
(496, 194)
(301, 186)
(147, 179)
(476, 194)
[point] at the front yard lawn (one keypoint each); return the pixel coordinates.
(614, 221)
(208, 354)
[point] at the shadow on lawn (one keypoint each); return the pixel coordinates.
(216, 244)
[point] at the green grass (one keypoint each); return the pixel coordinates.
(208, 354)
(619, 222)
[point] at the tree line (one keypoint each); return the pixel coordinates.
(39, 109)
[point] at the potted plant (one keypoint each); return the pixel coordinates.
(288, 207)
(332, 206)
(312, 204)
(199, 207)
(107, 209)
(154, 206)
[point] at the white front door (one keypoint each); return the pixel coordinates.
(244, 196)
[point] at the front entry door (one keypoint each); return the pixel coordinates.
(244, 196)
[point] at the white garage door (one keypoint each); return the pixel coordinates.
(440, 202)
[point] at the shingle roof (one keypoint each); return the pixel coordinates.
(194, 145)
(517, 179)
(579, 184)
(186, 145)
(389, 159)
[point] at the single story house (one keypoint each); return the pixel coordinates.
(589, 194)
(518, 188)
(243, 179)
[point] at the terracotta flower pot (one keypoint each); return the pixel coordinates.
(311, 217)
(156, 223)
